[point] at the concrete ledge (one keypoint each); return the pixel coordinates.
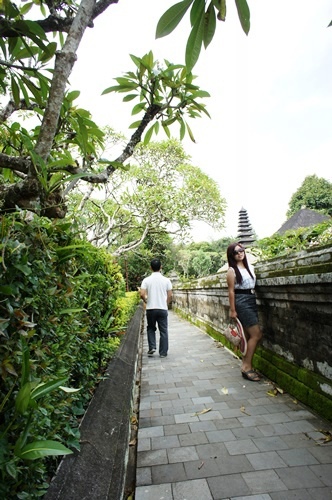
(98, 471)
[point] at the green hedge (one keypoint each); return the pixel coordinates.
(62, 305)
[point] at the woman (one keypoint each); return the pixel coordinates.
(241, 281)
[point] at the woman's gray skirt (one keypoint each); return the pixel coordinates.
(246, 309)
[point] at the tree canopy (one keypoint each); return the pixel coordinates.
(38, 45)
(314, 193)
(160, 193)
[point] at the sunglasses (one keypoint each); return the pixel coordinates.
(236, 252)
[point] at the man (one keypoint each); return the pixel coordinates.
(156, 292)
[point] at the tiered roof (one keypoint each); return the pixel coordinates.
(246, 235)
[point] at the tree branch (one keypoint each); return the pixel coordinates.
(64, 63)
(130, 246)
(15, 163)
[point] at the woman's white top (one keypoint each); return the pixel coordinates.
(247, 280)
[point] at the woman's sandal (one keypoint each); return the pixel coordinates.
(251, 375)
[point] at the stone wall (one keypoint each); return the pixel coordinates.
(294, 296)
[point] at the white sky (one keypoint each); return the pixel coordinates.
(271, 97)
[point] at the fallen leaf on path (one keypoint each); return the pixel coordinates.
(200, 465)
(224, 390)
(202, 412)
(328, 436)
(244, 411)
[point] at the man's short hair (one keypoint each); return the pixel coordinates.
(155, 264)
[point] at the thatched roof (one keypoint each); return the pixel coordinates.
(303, 218)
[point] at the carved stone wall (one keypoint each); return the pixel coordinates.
(294, 296)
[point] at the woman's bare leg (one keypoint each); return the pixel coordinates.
(253, 334)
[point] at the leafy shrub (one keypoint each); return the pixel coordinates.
(61, 299)
(294, 240)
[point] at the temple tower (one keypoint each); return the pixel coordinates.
(246, 235)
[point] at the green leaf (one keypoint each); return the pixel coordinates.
(7, 290)
(138, 108)
(171, 18)
(166, 129)
(244, 15)
(25, 362)
(197, 11)
(39, 449)
(74, 94)
(129, 97)
(191, 135)
(182, 129)
(25, 8)
(210, 25)
(23, 398)
(72, 310)
(148, 135)
(11, 469)
(135, 124)
(69, 390)
(194, 44)
(15, 91)
(46, 388)
(48, 52)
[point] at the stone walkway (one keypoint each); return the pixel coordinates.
(205, 433)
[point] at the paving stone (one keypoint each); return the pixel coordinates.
(265, 496)
(241, 447)
(299, 477)
(148, 432)
(292, 495)
(193, 438)
(298, 457)
(183, 454)
(143, 476)
(154, 492)
(164, 420)
(264, 481)
(247, 432)
(174, 429)
(231, 486)
(233, 465)
(320, 493)
(148, 458)
(266, 460)
(206, 451)
(144, 444)
(299, 426)
(189, 490)
(201, 468)
(324, 473)
(270, 443)
(208, 425)
(170, 473)
(323, 453)
(186, 417)
(220, 436)
(165, 442)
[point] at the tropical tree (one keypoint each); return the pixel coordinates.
(37, 57)
(314, 193)
(161, 193)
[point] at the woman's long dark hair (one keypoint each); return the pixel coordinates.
(232, 262)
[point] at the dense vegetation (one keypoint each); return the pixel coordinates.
(63, 308)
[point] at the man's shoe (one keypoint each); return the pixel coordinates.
(151, 352)
(163, 355)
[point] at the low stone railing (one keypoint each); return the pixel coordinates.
(294, 296)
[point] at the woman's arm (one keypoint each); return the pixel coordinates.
(230, 276)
